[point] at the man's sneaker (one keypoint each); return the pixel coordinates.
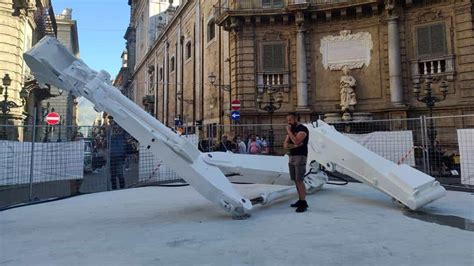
(302, 207)
(296, 204)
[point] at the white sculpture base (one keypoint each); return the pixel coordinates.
(338, 117)
(332, 118)
(361, 116)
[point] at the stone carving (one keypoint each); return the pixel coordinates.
(390, 6)
(430, 16)
(346, 49)
(348, 96)
(271, 35)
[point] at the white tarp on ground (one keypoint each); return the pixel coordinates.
(396, 146)
(151, 169)
(53, 161)
(466, 152)
(350, 225)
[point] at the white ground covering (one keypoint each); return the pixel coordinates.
(351, 225)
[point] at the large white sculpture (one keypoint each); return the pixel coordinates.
(52, 63)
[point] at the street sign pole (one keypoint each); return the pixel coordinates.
(32, 158)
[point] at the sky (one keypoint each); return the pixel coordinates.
(101, 27)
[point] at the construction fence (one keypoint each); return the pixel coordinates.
(53, 162)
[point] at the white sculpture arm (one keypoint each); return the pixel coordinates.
(337, 152)
(52, 63)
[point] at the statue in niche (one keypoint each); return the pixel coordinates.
(390, 6)
(348, 96)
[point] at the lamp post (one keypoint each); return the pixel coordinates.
(430, 100)
(7, 105)
(270, 106)
(212, 79)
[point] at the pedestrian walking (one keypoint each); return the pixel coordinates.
(117, 146)
(254, 145)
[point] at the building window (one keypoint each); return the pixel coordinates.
(273, 57)
(151, 88)
(172, 64)
(211, 30)
(273, 67)
(160, 74)
(432, 52)
(272, 3)
(188, 50)
(431, 40)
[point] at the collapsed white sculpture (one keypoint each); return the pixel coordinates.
(52, 63)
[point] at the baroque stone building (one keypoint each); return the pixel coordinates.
(22, 24)
(297, 49)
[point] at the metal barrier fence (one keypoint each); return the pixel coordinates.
(59, 161)
(48, 164)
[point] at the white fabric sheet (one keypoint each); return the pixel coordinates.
(396, 146)
(466, 152)
(53, 161)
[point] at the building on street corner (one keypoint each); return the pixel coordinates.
(338, 60)
(22, 24)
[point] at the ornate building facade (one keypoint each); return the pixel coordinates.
(336, 59)
(22, 24)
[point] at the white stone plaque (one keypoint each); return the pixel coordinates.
(346, 49)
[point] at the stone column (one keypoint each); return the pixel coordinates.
(301, 69)
(394, 59)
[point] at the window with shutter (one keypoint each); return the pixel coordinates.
(211, 30)
(438, 39)
(273, 57)
(272, 3)
(277, 3)
(431, 40)
(188, 50)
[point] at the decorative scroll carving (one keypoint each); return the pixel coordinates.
(346, 49)
(272, 35)
(430, 16)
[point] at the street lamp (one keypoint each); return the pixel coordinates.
(270, 106)
(212, 79)
(430, 100)
(7, 105)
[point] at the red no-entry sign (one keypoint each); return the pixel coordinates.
(235, 104)
(53, 119)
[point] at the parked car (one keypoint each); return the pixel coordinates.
(88, 153)
(92, 160)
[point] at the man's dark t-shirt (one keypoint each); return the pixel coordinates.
(303, 149)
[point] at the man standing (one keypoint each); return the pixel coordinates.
(117, 142)
(297, 142)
